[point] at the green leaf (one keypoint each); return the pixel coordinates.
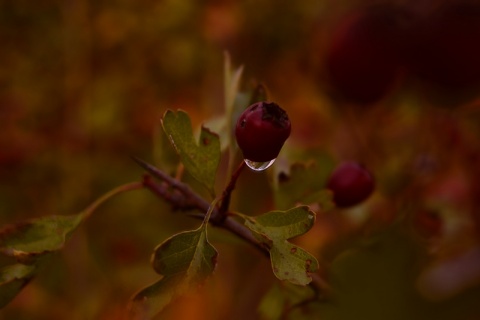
(12, 280)
(201, 160)
(289, 262)
(219, 126)
(283, 224)
(165, 157)
(185, 260)
(231, 80)
(305, 184)
(28, 240)
(32, 243)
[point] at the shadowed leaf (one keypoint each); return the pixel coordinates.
(201, 160)
(185, 260)
(12, 280)
(28, 240)
(289, 262)
(32, 243)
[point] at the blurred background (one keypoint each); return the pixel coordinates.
(392, 84)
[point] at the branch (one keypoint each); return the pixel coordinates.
(227, 193)
(190, 200)
(182, 197)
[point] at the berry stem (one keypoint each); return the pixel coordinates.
(227, 193)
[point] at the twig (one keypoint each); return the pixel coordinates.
(228, 191)
(120, 189)
(188, 199)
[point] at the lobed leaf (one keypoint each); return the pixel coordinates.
(31, 243)
(187, 252)
(289, 262)
(165, 157)
(292, 263)
(31, 239)
(283, 224)
(200, 160)
(184, 260)
(231, 80)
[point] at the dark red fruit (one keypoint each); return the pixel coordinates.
(351, 184)
(444, 46)
(262, 130)
(362, 60)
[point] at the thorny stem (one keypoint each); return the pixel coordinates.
(190, 201)
(182, 197)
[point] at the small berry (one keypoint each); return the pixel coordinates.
(351, 184)
(261, 131)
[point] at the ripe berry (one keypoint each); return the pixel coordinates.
(362, 62)
(351, 184)
(262, 130)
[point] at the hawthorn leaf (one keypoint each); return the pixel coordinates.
(12, 280)
(232, 78)
(304, 184)
(31, 243)
(165, 157)
(274, 228)
(219, 125)
(29, 240)
(201, 160)
(185, 260)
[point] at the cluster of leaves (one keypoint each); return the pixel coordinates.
(186, 259)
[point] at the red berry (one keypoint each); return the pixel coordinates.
(362, 62)
(351, 184)
(261, 131)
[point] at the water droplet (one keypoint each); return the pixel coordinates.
(259, 166)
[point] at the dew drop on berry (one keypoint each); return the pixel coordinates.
(259, 166)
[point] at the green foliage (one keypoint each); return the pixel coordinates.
(289, 262)
(184, 260)
(44, 235)
(202, 159)
(30, 243)
(12, 280)
(305, 184)
(33, 242)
